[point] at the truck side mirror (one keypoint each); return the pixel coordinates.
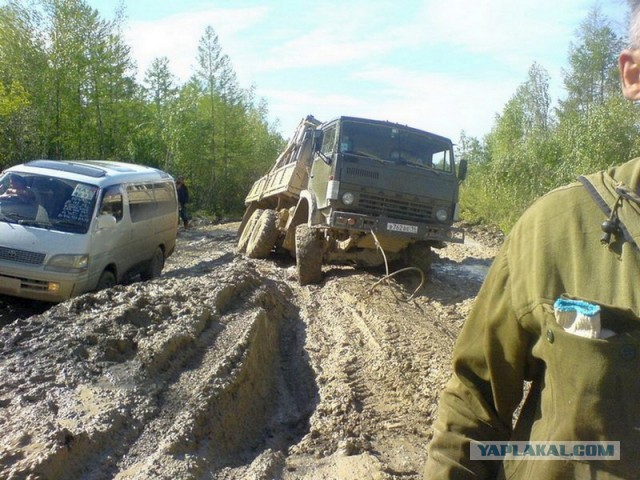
(462, 170)
(317, 140)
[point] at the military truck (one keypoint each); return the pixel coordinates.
(347, 190)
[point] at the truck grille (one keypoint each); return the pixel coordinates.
(21, 256)
(394, 208)
(361, 172)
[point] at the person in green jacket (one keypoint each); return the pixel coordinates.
(557, 321)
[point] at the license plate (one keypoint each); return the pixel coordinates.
(401, 227)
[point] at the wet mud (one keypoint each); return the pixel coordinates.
(225, 368)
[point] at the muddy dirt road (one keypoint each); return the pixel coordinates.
(225, 368)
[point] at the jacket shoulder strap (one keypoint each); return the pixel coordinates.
(610, 210)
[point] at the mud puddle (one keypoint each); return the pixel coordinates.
(476, 271)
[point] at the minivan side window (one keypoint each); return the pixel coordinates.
(165, 194)
(142, 204)
(112, 202)
(150, 200)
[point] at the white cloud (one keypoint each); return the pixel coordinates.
(332, 44)
(290, 106)
(177, 36)
(439, 103)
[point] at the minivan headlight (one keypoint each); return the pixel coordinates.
(68, 263)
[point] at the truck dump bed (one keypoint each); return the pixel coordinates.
(289, 175)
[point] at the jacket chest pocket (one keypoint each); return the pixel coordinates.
(592, 386)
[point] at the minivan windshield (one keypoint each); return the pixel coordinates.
(46, 202)
(389, 143)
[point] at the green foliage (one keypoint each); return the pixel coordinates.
(68, 90)
(16, 118)
(531, 151)
(592, 76)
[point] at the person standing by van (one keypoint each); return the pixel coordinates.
(183, 199)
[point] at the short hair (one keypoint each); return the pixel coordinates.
(634, 27)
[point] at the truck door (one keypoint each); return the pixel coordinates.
(323, 166)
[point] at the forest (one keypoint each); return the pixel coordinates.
(69, 90)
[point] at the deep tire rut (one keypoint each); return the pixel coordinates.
(186, 391)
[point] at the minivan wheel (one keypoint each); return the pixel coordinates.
(156, 264)
(107, 280)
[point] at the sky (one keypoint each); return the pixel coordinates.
(445, 66)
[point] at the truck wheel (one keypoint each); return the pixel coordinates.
(308, 255)
(419, 255)
(156, 264)
(107, 280)
(245, 235)
(264, 235)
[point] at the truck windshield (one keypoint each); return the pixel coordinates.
(46, 202)
(388, 143)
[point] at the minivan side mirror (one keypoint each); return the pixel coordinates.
(106, 220)
(462, 170)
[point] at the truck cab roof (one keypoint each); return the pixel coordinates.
(389, 124)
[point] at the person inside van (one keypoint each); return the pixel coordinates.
(112, 202)
(17, 188)
(18, 200)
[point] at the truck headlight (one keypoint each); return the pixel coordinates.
(68, 263)
(442, 215)
(348, 198)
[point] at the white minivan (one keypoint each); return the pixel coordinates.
(69, 227)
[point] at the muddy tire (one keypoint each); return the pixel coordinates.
(156, 264)
(264, 235)
(419, 255)
(308, 254)
(245, 235)
(107, 280)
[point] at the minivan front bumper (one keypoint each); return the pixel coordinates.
(38, 285)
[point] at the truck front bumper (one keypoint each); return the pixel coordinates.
(396, 227)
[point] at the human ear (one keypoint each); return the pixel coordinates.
(629, 64)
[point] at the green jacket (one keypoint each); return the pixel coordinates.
(582, 389)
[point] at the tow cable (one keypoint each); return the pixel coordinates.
(389, 275)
